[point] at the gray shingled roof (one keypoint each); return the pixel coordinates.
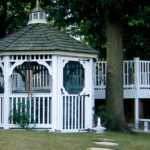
(42, 37)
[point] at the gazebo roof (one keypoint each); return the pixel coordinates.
(38, 37)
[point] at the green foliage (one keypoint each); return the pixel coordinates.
(136, 33)
(103, 113)
(87, 20)
(20, 116)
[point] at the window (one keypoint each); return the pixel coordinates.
(41, 15)
(30, 17)
(74, 78)
(35, 15)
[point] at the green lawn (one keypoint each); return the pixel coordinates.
(34, 140)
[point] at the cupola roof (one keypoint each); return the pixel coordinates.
(37, 8)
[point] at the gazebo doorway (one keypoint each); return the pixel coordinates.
(74, 93)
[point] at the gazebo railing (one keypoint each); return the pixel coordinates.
(73, 112)
(38, 107)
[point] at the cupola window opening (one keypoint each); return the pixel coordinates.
(42, 15)
(35, 15)
(30, 17)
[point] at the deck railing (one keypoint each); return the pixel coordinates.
(38, 107)
(136, 74)
(144, 74)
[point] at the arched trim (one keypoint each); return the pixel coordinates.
(21, 62)
(14, 66)
(46, 65)
(2, 67)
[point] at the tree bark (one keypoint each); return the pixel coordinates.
(3, 15)
(114, 85)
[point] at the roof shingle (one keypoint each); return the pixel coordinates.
(42, 37)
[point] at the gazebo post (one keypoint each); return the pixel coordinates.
(6, 92)
(55, 92)
(59, 96)
(89, 101)
(92, 90)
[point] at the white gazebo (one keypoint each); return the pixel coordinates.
(48, 71)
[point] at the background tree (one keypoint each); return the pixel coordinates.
(114, 84)
(125, 23)
(3, 14)
(14, 15)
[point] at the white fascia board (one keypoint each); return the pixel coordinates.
(57, 53)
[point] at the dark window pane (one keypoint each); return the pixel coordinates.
(1, 81)
(73, 74)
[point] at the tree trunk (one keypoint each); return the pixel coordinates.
(3, 14)
(114, 85)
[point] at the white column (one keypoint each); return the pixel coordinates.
(92, 89)
(89, 101)
(137, 86)
(55, 92)
(6, 91)
(59, 94)
(136, 112)
(92, 97)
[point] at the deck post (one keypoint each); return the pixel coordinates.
(136, 112)
(136, 74)
(137, 87)
(6, 92)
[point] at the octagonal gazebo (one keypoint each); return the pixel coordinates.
(48, 71)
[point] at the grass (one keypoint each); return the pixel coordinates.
(34, 140)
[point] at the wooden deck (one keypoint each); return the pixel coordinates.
(136, 79)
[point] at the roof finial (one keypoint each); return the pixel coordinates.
(37, 3)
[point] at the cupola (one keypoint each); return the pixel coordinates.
(37, 15)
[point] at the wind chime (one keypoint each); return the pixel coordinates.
(29, 79)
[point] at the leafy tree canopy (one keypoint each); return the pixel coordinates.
(85, 18)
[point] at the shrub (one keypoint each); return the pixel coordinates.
(20, 116)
